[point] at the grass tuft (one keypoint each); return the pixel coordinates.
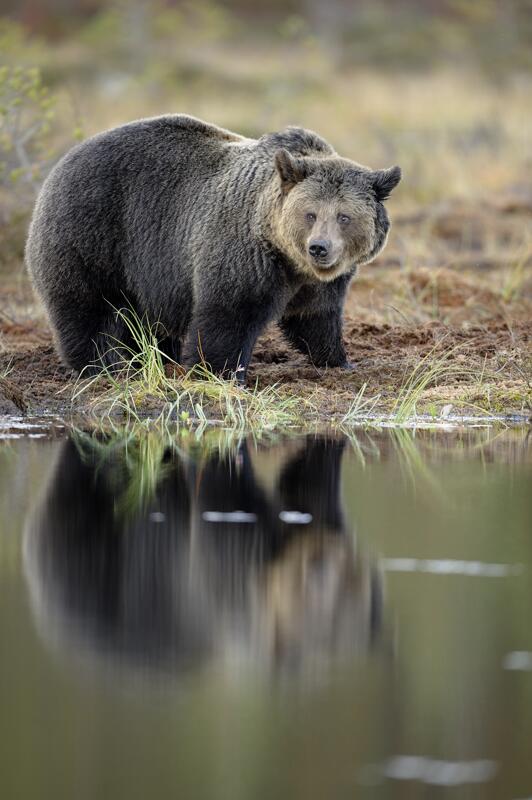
(138, 382)
(361, 408)
(430, 371)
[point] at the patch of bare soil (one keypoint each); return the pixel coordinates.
(496, 362)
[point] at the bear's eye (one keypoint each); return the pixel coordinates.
(310, 217)
(343, 219)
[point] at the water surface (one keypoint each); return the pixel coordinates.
(303, 617)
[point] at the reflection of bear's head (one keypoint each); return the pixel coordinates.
(214, 564)
(332, 215)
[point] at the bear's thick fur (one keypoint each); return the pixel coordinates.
(206, 234)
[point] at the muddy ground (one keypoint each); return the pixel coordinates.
(454, 284)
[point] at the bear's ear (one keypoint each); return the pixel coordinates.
(384, 181)
(291, 170)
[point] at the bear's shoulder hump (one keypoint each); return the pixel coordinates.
(299, 141)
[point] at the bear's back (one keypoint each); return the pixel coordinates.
(160, 142)
(142, 164)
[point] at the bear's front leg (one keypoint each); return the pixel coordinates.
(223, 338)
(318, 336)
(312, 322)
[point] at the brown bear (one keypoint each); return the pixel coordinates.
(206, 234)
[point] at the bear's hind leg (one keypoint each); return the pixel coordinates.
(93, 342)
(171, 346)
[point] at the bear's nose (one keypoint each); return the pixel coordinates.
(319, 248)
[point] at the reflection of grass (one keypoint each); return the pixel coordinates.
(417, 451)
(137, 458)
(134, 460)
(412, 462)
(146, 468)
(361, 450)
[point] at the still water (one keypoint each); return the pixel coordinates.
(303, 617)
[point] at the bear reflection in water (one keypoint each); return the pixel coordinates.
(173, 578)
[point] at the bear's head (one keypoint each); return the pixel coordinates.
(331, 215)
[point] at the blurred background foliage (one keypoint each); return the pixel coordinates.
(387, 34)
(442, 87)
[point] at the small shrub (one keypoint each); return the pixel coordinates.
(26, 115)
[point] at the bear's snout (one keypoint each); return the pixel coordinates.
(319, 249)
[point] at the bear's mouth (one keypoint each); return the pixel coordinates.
(326, 271)
(324, 264)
